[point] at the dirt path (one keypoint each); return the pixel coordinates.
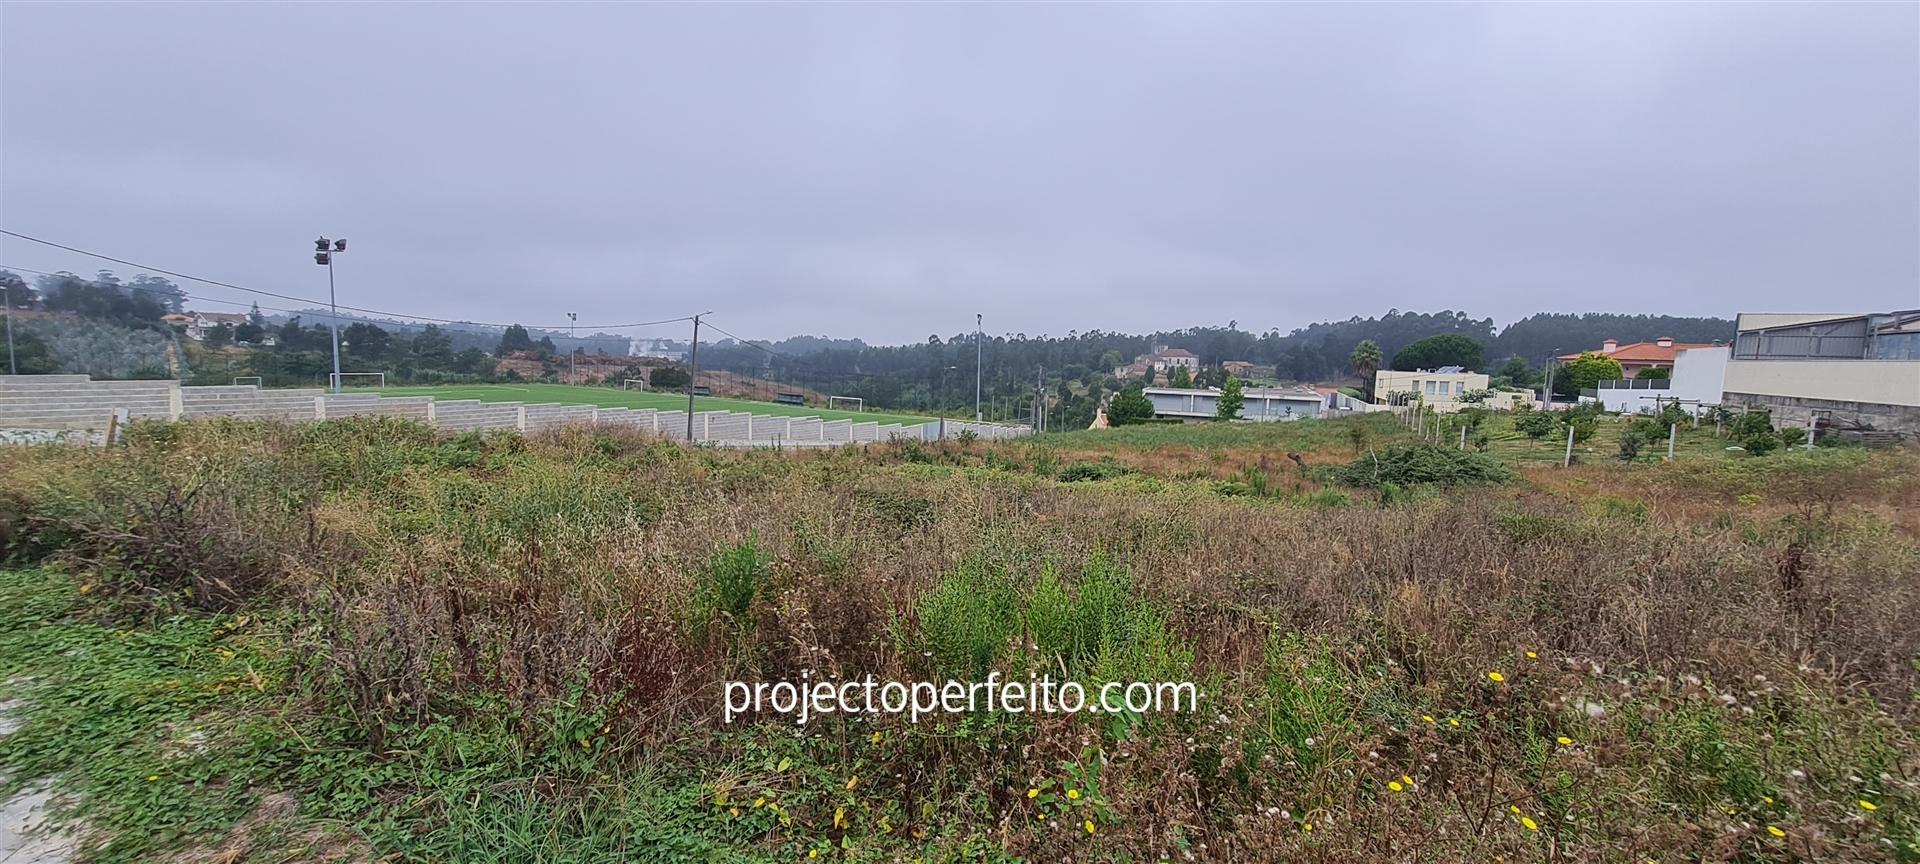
(22, 815)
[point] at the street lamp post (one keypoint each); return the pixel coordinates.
(573, 349)
(323, 252)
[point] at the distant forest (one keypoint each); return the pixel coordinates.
(934, 376)
(939, 373)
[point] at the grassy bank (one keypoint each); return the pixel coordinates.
(356, 639)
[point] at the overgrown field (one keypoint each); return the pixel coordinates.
(364, 640)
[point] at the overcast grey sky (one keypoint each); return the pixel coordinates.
(885, 171)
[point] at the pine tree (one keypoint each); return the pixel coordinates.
(1230, 400)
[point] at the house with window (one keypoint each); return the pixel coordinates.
(1439, 389)
(1636, 356)
(1847, 369)
(1162, 360)
(196, 324)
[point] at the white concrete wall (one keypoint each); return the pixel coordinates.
(31, 404)
(805, 429)
(1882, 382)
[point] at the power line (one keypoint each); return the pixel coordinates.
(742, 341)
(317, 303)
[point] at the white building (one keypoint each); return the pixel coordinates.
(1260, 404)
(1847, 368)
(1698, 379)
(1162, 360)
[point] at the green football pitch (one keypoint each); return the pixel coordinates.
(609, 398)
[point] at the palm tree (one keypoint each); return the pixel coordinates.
(1366, 361)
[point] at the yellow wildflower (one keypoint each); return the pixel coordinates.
(1496, 677)
(1532, 656)
(1454, 722)
(1089, 824)
(875, 739)
(1868, 806)
(759, 802)
(1406, 779)
(1564, 741)
(1033, 793)
(813, 853)
(1307, 827)
(1395, 785)
(1775, 831)
(1528, 821)
(1073, 794)
(1427, 717)
(1514, 809)
(152, 777)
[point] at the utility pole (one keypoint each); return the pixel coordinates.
(573, 349)
(13, 368)
(693, 371)
(1546, 393)
(323, 252)
(979, 355)
(1039, 401)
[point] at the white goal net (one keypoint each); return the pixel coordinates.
(850, 403)
(255, 380)
(376, 380)
(633, 383)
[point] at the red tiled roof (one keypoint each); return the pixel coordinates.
(1642, 352)
(1175, 352)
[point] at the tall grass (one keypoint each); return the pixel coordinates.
(520, 642)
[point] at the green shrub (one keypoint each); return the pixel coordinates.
(1751, 423)
(1105, 470)
(1583, 425)
(967, 620)
(1630, 443)
(727, 585)
(1409, 464)
(1535, 424)
(1792, 436)
(1110, 632)
(1760, 443)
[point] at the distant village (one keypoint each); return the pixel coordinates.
(1859, 370)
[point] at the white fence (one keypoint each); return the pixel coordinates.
(47, 406)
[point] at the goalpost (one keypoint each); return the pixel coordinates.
(255, 380)
(858, 403)
(627, 383)
(379, 379)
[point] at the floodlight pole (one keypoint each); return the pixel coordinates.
(324, 250)
(573, 349)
